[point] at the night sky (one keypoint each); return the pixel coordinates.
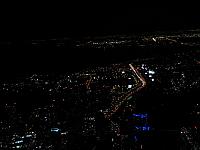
(35, 21)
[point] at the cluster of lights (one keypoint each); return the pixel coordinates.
(143, 128)
(149, 72)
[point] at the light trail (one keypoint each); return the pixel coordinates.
(118, 102)
(88, 83)
(140, 77)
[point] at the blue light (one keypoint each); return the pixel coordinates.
(146, 128)
(137, 127)
(134, 138)
(140, 115)
(143, 128)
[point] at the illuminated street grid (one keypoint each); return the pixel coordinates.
(74, 103)
(94, 90)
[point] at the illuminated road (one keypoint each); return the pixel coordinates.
(118, 102)
(140, 77)
(88, 83)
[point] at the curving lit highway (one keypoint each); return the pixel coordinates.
(120, 100)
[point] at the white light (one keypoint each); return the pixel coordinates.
(28, 135)
(152, 80)
(150, 76)
(19, 146)
(91, 118)
(154, 39)
(123, 72)
(129, 86)
(151, 72)
(63, 133)
(17, 142)
(142, 66)
(55, 129)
